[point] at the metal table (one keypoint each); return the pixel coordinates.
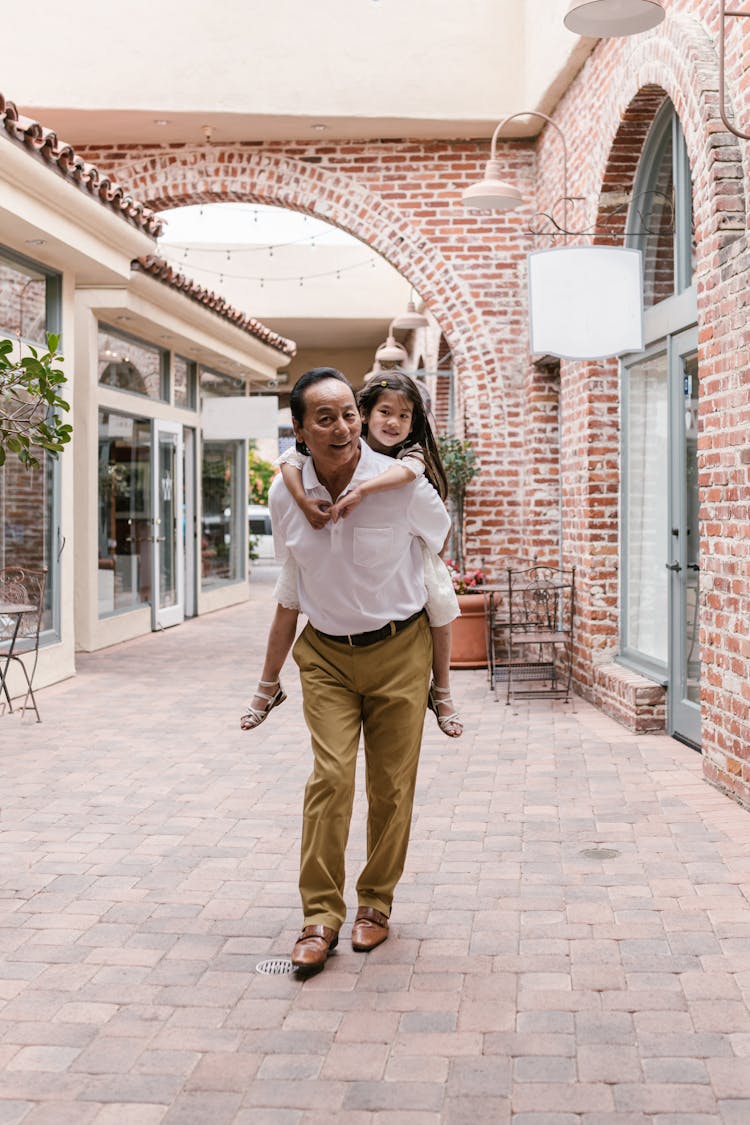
(17, 610)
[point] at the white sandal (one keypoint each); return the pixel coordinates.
(444, 721)
(254, 716)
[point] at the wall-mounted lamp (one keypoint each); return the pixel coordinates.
(605, 19)
(585, 302)
(494, 194)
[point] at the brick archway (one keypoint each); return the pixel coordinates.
(348, 200)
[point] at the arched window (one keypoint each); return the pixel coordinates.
(660, 566)
(661, 218)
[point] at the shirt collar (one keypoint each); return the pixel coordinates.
(310, 477)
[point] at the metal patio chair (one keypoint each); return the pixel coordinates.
(541, 614)
(26, 586)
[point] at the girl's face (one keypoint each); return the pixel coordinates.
(389, 421)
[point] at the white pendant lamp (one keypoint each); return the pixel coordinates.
(492, 193)
(604, 19)
(411, 319)
(391, 351)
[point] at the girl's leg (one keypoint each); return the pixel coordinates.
(440, 692)
(269, 693)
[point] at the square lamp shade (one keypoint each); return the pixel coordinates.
(585, 302)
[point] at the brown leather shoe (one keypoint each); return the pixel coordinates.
(313, 946)
(370, 929)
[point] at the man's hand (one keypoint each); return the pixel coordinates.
(346, 504)
(317, 512)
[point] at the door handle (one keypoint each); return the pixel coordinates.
(673, 566)
(693, 566)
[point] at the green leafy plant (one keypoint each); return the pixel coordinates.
(30, 406)
(460, 463)
(260, 473)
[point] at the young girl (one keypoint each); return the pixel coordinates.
(394, 422)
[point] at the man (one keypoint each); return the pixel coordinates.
(364, 659)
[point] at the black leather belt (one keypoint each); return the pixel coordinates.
(362, 640)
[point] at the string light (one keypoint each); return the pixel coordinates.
(366, 263)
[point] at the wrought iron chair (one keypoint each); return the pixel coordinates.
(22, 585)
(497, 616)
(541, 615)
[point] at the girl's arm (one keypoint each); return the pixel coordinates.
(395, 477)
(317, 512)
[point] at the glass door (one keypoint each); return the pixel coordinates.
(167, 536)
(684, 565)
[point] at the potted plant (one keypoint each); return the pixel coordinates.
(469, 647)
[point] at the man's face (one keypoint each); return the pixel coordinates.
(331, 425)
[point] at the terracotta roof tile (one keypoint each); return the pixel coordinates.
(44, 143)
(162, 271)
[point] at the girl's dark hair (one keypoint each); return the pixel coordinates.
(421, 431)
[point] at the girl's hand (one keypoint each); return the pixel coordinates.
(317, 512)
(346, 504)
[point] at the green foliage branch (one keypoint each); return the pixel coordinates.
(30, 406)
(260, 473)
(460, 463)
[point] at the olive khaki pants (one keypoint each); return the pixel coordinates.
(380, 690)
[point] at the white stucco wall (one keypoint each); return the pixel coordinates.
(239, 64)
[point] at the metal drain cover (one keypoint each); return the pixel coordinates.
(275, 966)
(600, 853)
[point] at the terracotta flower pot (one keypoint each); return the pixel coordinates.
(468, 644)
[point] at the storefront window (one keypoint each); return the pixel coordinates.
(23, 301)
(184, 380)
(30, 298)
(132, 365)
(124, 525)
(27, 507)
(222, 557)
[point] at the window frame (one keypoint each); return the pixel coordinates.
(164, 364)
(663, 320)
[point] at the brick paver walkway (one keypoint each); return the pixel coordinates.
(570, 943)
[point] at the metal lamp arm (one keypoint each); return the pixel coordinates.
(549, 120)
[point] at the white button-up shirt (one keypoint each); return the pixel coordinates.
(365, 570)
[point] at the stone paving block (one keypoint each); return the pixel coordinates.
(44, 1058)
(671, 1097)
(199, 1108)
(544, 1068)
(470, 1110)
(13, 1112)
(257, 1116)
(61, 1113)
(573, 1097)
(734, 1111)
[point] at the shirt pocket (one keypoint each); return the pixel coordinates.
(373, 546)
